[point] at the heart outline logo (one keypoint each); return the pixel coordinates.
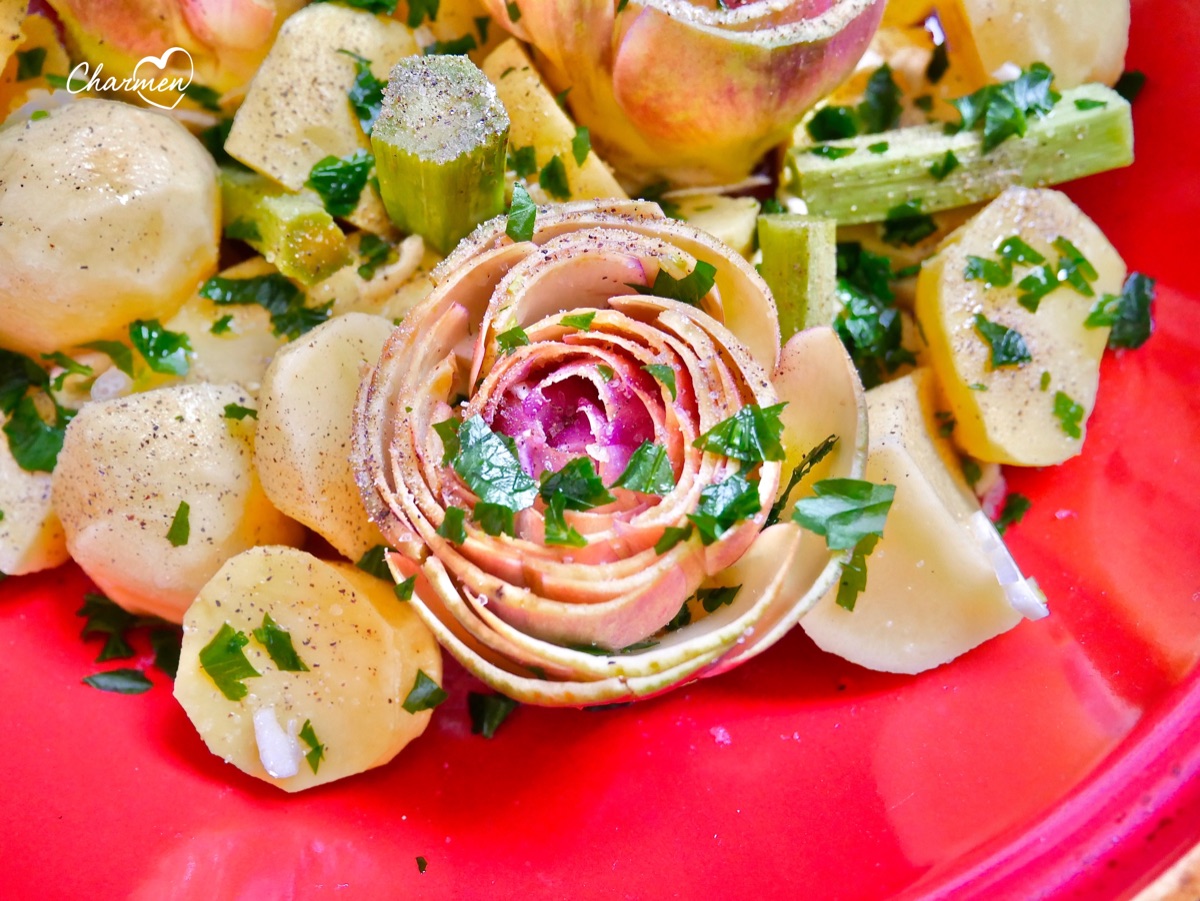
(164, 82)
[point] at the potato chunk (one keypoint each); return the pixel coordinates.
(361, 649)
(125, 467)
(110, 214)
(1013, 413)
(31, 537)
(304, 424)
(939, 582)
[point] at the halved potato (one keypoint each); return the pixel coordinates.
(31, 537)
(362, 650)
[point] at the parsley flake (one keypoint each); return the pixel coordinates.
(606, 372)
(690, 289)
(447, 430)
(723, 505)
(488, 464)
(906, 224)
(871, 330)
(512, 339)
(374, 561)
(752, 434)
(664, 375)
(1007, 346)
(18, 373)
(163, 350)
(221, 325)
(419, 11)
(120, 681)
(845, 511)
(514, 11)
(558, 531)
(581, 144)
(853, 580)
(1086, 103)
(340, 180)
(831, 123)
(523, 160)
(648, 471)
(366, 92)
(1004, 110)
(30, 62)
(494, 519)
(373, 252)
(278, 642)
(238, 412)
(424, 695)
(103, 617)
(578, 484)
(581, 321)
(1069, 414)
(452, 528)
(404, 589)
(990, 272)
(943, 167)
(829, 152)
(553, 179)
(1016, 505)
(1130, 83)
(522, 214)
(713, 599)
(878, 147)
(422, 863)
(460, 46)
(939, 63)
(1127, 313)
(34, 443)
(488, 712)
(316, 752)
(223, 661)
(1015, 250)
(181, 528)
(290, 318)
(1036, 285)
(671, 536)
(811, 459)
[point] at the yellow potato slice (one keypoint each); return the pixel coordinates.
(363, 649)
(939, 582)
(304, 422)
(1007, 414)
(31, 537)
(126, 466)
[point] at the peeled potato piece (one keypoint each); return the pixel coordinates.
(125, 467)
(362, 648)
(1005, 413)
(31, 537)
(939, 582)
(98, 233)
(304, 425)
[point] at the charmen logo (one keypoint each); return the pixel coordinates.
(149, 76)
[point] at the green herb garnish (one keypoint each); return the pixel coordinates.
(553, 179)
(990, 272)
(404, 589)
(340, 180)
(452, 528)
(943, 167)
(495, 519)
(1130, 83)
(238, 412)
(1015, 250)
(671, 536)
(424, 695)
(34, 443)
(316, 750)
(578, 484)
(1127, 313)
(223, 661)
(181, 528)
(558, 531)
(1007, 346)
(512, 339)
(278, 642)
(811, 459)
(366, 93)
(522, 214)
(18, 373)
(724, 504)
(459, 46)
(1015, 507)
(648, 471)
(30, 62)
(523, 160)
(845, 511)
(581, 321)
(752, 434)
(690, 289)
(829, 152)
(120, 681)
(1069, 414)
(290, 318)
(664, 375)
(489, 466)
(488, 712)
(163, 350)
(906, 224)
(69, 367)
(712, 599)
(107, 619)
(581, 144)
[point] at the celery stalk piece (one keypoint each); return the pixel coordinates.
(439, 144)
(291, 230)
(799, 264)
(1068, 142)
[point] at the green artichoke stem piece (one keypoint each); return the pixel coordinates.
(439, 144)
(799, 265)
(291, 230)
(1071, 141)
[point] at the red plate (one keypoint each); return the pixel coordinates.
(1061, 760)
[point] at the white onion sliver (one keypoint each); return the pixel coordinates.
(278, 750)
(1021, 594)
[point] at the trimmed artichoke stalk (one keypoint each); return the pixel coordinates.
(799, 265)
(439, 146)
(1089, 130)
(292, 230)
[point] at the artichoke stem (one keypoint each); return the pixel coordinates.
(799, 265)
(439, 144)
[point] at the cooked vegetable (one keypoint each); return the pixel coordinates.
(991, 343)
(439, 143)
(939, 582)
(1066, 143)
(126, 465)
(302, 445)
(799, 262)
(100, 233)
(284, 654)
(297, 111)
(31, 536)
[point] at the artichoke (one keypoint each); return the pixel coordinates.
(574, 445)
(693, 93)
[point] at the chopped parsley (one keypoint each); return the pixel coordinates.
(1130, 83)
(664, 375)
(522, 214)
(340, 180)
(120, 681)
(1074, 268)
(488, 712)
(723, 505)
(853, 580)
(772, 205)
(418, 11)
(452, 528)
(690, 289)
(990, 272)
(30, 62)
(680, 619)
(943, 167)
(878, 111)
(238, 412)
(752, 434)
(404, 589)
(69, 367)
(712, 599)
(481, 25)
(103, 617)
(906, 224)
(181, 528)
(316, 750)
(878, 147)
(832, 123)
(422, 863)
(495, 519)
(514, 11)
(166, 642)
(34, 443)
(1045, 381)
(829, 152)
(488, 464)
(1127, 313)
(1016, 505)
(654, 193)
(284, 301)
(648, 471)
(1068, 413)
(424, 695)
(581, 321)
(845, 511)
(278, 642)
(460, 46)
(553, 179)
(163, 350)
(578, 484)
(523, 160)
(971, 471)
(811, 459)
(1015, 250)
(447, 430)
(512, 339)
(606, 372)
(223, 661)
(671, 536)
(221, 326)
(939, 63)
(581, 144)
(558, 531)
(366, 93)
(1003, 110)
(1086, 103)
(1007, 346)
(871, 330)
(243, 230)
(1036, 285)
(373, 252)
(18, 373)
